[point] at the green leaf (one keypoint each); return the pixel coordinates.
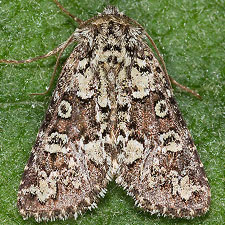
(189, 34)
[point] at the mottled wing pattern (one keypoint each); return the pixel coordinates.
(113, 114)
(67, 169)
(160, 167)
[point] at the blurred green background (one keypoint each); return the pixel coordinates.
(190, 36)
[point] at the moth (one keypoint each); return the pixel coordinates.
(112, 116)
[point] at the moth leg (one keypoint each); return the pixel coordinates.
(60, 49)
(66, 44)
(79, 21)
(53, 52)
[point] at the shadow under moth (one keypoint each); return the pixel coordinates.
(112, 116)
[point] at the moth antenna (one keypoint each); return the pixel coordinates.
(79, 21)
(172, 81)
(185, 88)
